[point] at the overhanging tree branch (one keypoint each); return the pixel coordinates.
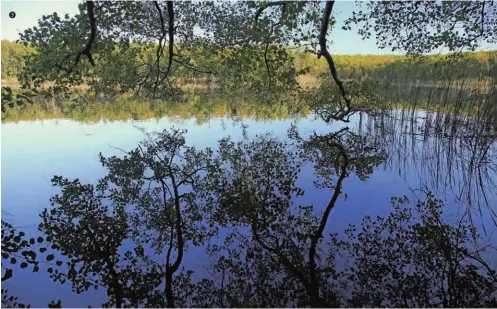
(160, 48)
(187, 65)
(170, 12)
(269, 4)
(277, 252)
(90, 6)
(93, 32)
(331, 64)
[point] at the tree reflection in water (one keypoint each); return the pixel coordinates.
(128, 234)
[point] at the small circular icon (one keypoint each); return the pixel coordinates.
(12, 14)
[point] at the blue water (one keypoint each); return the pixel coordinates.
(32, 152)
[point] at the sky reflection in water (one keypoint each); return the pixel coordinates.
(32, 152)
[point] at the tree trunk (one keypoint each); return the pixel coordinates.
(169, 290)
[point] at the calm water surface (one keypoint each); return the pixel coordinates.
(32, 152)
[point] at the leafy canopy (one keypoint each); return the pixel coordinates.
(149, 48)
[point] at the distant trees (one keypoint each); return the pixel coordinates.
(468, 64)
(13, 58)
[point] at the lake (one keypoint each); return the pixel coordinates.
(460, 169)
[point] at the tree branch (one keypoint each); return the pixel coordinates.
(179, 234)
(93, 32)
(331, 64)
(482, 16)
(191, 67)
(269, 4)
(170, 12)
(265, 57)
(171, 269)
(160, 48)
(87, 49)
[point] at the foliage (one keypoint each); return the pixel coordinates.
(430, 67)
(11, 301)
(123, 55)
(15, 247)
(463, 85)
(270, 75)
(13, 58)
(116, 64)
(469, 65)
(11, 99)
(418, 27)
(373, 77)
(128, 233)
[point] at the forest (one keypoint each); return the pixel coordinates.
(218, 154)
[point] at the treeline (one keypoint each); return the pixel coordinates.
(433, 67)
(13, 58)
(469, 64)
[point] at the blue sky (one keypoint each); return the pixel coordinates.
(28, 12)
